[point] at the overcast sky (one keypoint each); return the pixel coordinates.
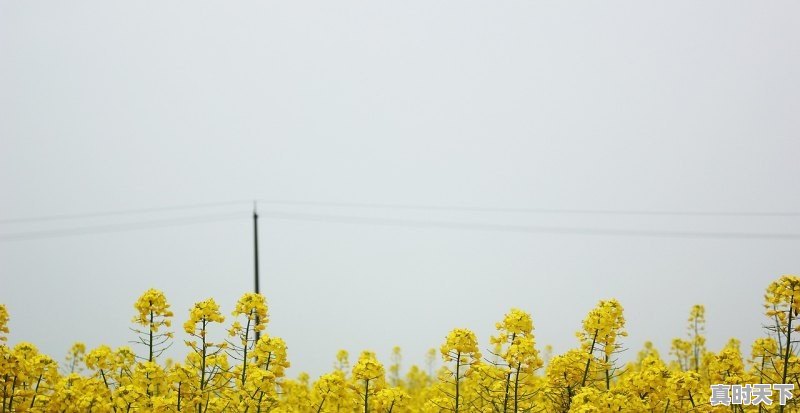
(669, 106)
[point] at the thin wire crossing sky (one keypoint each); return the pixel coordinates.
(361, 220)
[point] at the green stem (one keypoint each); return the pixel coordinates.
(458, 367)
(589, 360)
(11, 400)
(246, 343)
(202, 363)
(366, 396)
(788, 348)
(36, 389)
(319, 409)
(569, 391)
(110, 397)
(508, 379)
(516, 388)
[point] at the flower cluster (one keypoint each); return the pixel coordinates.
(254, 308)
(3, 323)
(153, 310)
(248, 373)
(203, 312)
(461, 343)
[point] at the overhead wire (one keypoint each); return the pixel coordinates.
(398, 222)
(136, 211)
(466, 208)
(420, 207)
(128, 226)
(526, 228)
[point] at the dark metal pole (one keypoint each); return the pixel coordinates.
(255, 250)
(255, 245)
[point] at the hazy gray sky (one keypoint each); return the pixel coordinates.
(678, 105)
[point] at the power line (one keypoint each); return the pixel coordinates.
(131, 226)
(527, 229)
(419, 207)
(99, 214)
(399, 222)
(533, 210)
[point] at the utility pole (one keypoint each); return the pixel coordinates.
(255, 250)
